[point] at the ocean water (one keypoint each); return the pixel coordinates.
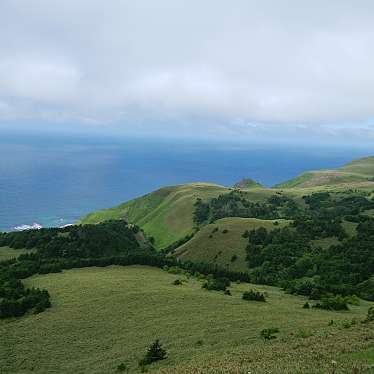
(52, 180)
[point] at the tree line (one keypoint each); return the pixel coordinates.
(287, 257)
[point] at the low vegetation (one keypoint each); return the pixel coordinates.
(252, 295)
(269, 334)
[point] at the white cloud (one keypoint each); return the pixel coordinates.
(39, 80)
(289, 61)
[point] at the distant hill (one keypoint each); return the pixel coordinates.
(165, 214)
(357, 171)
(247, 183)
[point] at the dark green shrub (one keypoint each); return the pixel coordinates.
(227, 292)
(332, 303)
(225, 231)
(370, 315)
(122, 368)
(216, 284)
(252, 295)
(269, 334)
(352, 300)
(366, 289)
(306, 305)
(154, 353)
(234, 258)
(177, 282)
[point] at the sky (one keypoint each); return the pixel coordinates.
(214, 68)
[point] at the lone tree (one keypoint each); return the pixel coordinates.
(155, 353)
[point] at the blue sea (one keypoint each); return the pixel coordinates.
(53, 180)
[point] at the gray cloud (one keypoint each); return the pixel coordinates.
(301, 62)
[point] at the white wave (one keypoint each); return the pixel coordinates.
(28, 227)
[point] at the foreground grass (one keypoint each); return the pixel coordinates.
(102, 317)
(333, 352)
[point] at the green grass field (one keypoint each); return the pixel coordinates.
(102, 317)
(216, 247)
(7, 253)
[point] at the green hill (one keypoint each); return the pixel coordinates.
(222, 242)
(364, 166)
(359, 171)
(167, 214)
(104, 317)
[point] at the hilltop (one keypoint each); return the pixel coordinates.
(247, 183)
(357, 172)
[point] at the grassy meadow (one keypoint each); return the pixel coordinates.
(102, 317)
(222, 242)
(7, 253)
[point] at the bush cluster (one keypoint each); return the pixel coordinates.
(269, 334)
(154, 353)
(332, 303)
(216, 284)
(253, 295)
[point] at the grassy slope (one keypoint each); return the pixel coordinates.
(7, 253)
(218, 248)
(356, 172)
(102, 317)
(364, 166)
(165, 214)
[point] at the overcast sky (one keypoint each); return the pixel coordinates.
(182, 65)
